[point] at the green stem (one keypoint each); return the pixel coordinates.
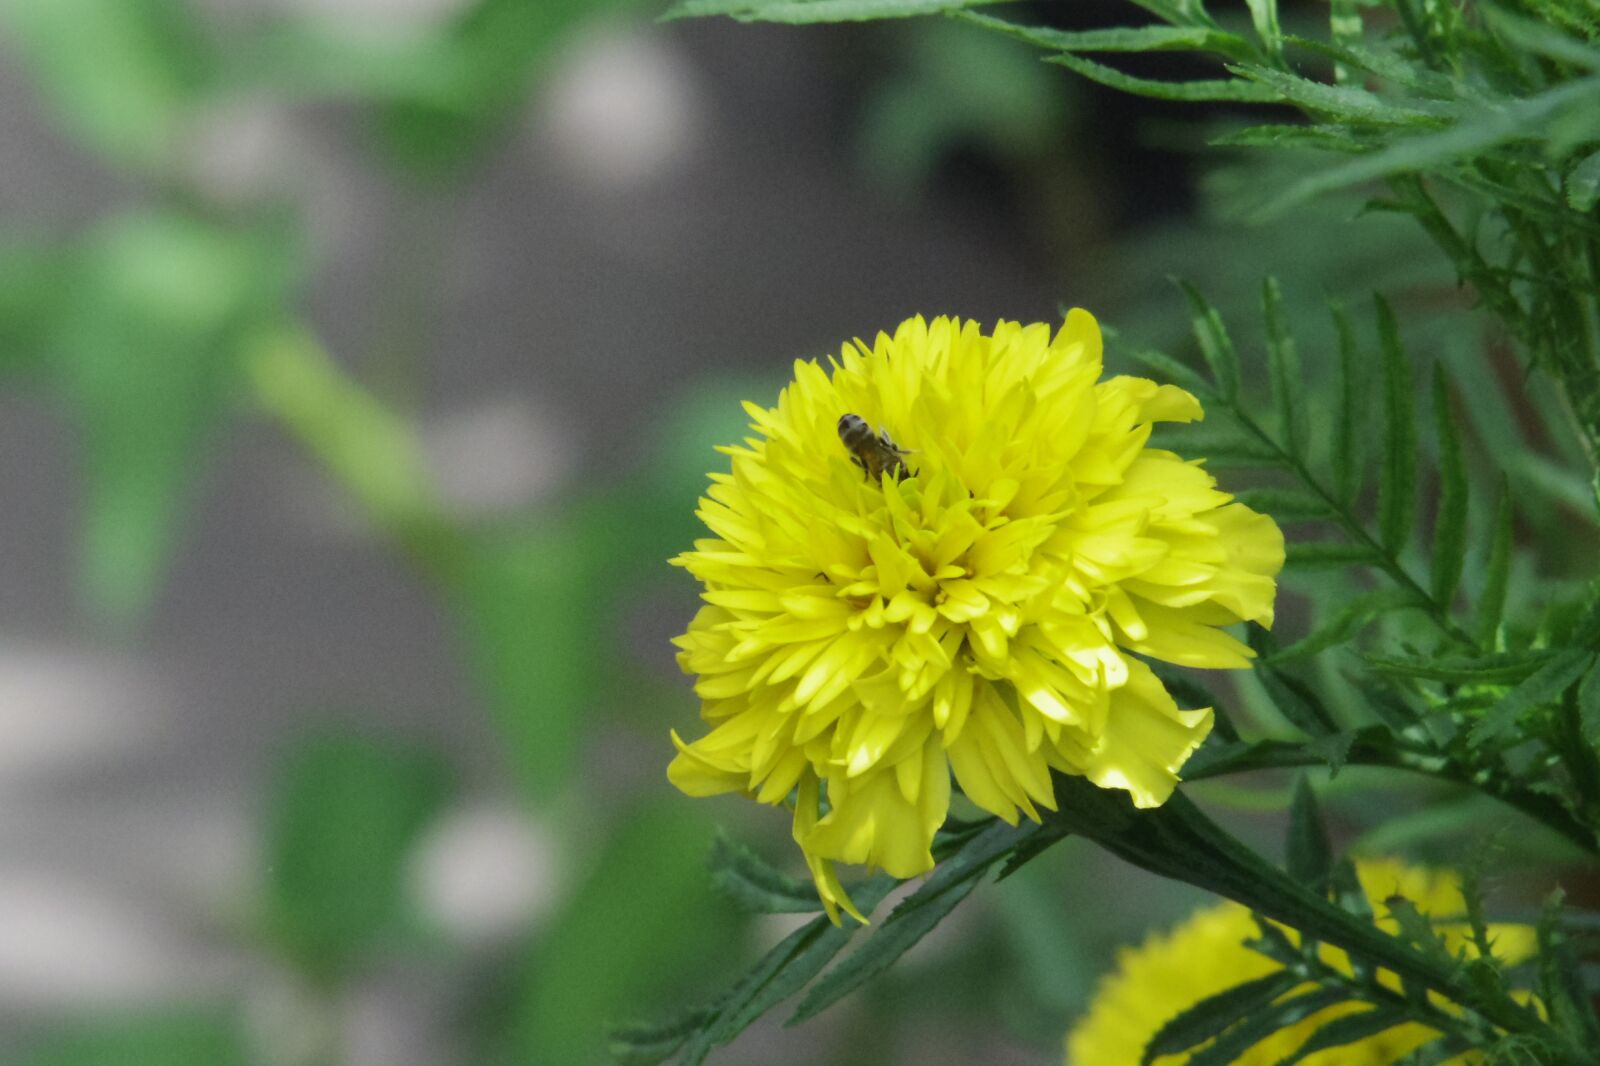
(1178, 841)
(1377, 748)
(1357, 532)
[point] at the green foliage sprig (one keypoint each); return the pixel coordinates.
(1482, 123)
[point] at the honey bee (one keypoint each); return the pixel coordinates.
(873, 452)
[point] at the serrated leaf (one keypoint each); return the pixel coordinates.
(1583, 183)
(1562, 988)
(748, 880)
(1283, 365)
(798, 12)
(780, 973)
(1214, 1014)
(1215, 344)
(1502, 669)
(647, 1045)
(1330, 138)
(1308, 855)
(1333, 749)
(1293, 697)
(1543, 686)
(1327, 555)
(1417, 928)
(1421, 153)
(1235, 1042)
(1397, 483)
(916, 916)
(1450, 526)
(1497, 569)
(1153, 38)
(1235, 89)
(1286, 505)
(1350, 1029)
(1350, 413)
(1342, 103)
(1347, 890)
(1346, 623)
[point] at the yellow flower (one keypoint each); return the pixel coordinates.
(974, 605)
(1206, 955)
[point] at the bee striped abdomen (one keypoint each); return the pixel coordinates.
(873, 452)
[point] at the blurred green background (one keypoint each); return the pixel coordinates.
(362, 361)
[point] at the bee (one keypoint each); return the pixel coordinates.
(873, 452)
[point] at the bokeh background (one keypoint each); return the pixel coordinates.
(362, 361)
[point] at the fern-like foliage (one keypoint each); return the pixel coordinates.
(1479, 120)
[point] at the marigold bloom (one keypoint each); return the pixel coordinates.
(1206, 955)
(976, 609)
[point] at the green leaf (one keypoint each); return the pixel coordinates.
(748, 880)
(1215, 345)
(1232, 1045)
(1215, 1014)
(1344, 26)
(808, 11)
(1264, 16)
(1397, 485)
(1178, 12)
(1235, 89)
(631, 931)
(124, 76)
(1417, 928)
(1350, 413)
(1542, 38)
(1309, 855)
(1286, 505)
(1346, 623)
(1562, 987)
(1350, 1029)
(1544, 686)
(1497, 569)
(1171, 370)
(1283, 364)
(1450, 527)
(647, 1045)
(167, 1038)
(780, 973)
(1434, 150)
(916, 916)
(527, 611)
(1154, 38)
(1329, 138)
(1583, 183)
(146, 360)
(474, 84)
(1341, 103)
(1589, 705)
(345, 816)
(1505, 668)
(1325, 555)
(1294, 698)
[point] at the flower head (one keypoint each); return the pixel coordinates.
(1206, 954)
(960, 580)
